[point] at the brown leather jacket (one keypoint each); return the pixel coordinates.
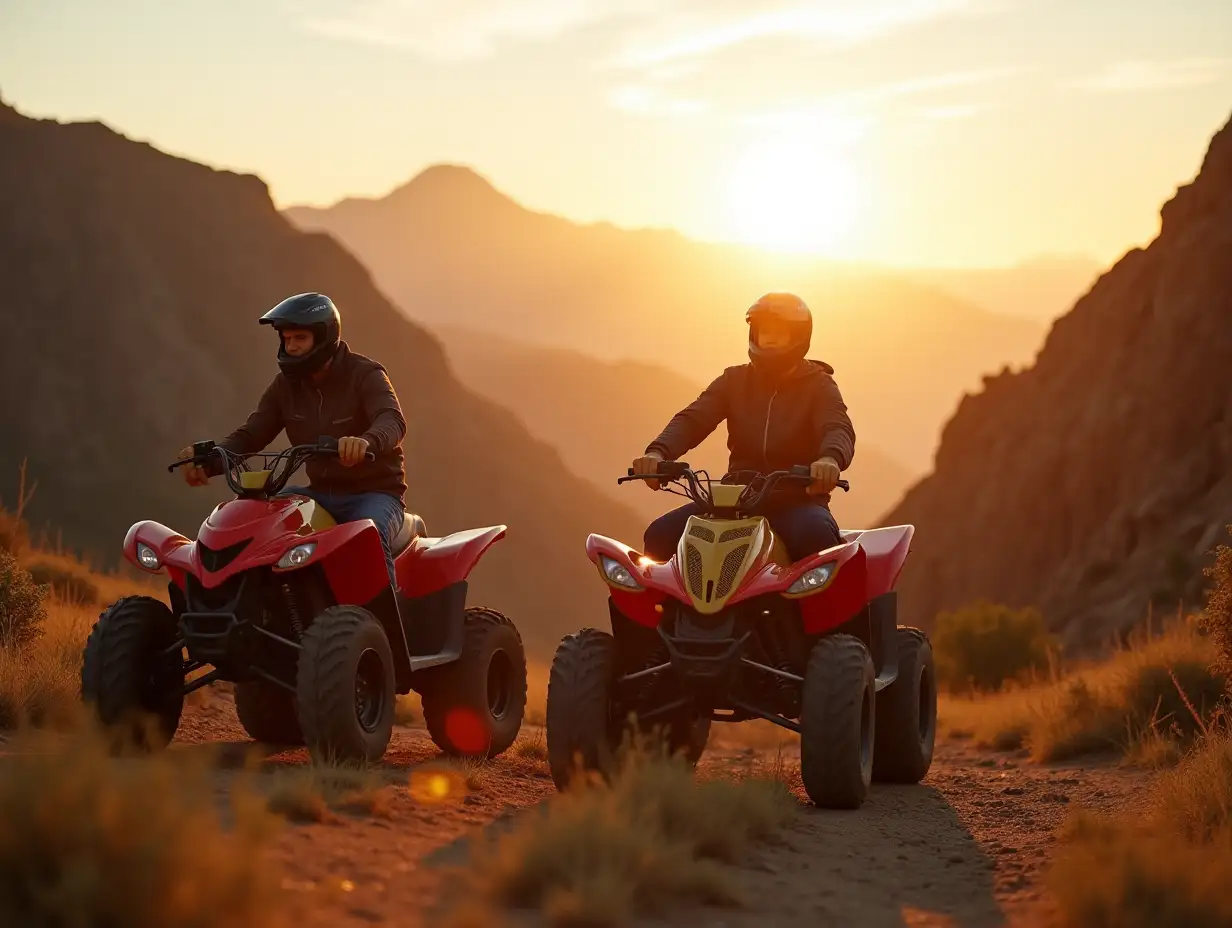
(353, 397)
(771, 425)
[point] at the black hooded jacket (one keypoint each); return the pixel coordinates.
(771, 424)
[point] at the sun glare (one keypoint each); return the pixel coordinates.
(792, 196)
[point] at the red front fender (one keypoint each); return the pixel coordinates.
(173, 549)
(433, 564)
(659, 581)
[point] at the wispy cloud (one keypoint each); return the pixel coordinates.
(459, 30)
(647, 101)
(694, 31)
(1139, 76)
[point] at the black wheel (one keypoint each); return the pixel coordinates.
(837, 723)
(128, 677)
(581, 728)
(686, 735)
(907, 714)
(268, 712)
(345, 686)
(474, 706)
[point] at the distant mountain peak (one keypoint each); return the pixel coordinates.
(457, 182)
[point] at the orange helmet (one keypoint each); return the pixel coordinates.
(787, 308)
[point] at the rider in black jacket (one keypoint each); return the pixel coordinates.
(781, 410)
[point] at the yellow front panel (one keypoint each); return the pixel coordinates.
(715, 555)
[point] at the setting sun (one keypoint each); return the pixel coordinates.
(792, 196)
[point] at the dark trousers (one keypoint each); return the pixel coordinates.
(805, 529)
(385, 510)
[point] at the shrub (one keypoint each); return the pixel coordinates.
(983, 646)
(1217, 619)
(22, 604)
(68, 581)
(93, 840)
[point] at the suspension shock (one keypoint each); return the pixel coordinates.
(292, 602)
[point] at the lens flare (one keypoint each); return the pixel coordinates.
(466, 731)
(437, 785)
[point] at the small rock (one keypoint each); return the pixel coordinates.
(986, 762)
(956, 859)
(1013, 791)
(1057, 797)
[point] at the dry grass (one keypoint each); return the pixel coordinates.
(654, 837)
(533, 746)
(92, 840)
(40, 684)
(1133, 704)
(318, 792)
(1166, 869)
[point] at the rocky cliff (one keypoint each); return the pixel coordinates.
(1094, 483)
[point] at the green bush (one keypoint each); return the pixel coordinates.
(68, 583)
(1217, 618)
(22, 604)
(985, 645)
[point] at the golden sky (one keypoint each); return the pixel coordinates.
(946, 132)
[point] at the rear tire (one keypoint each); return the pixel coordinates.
(345, 686)
(837, 723)
(474, 706)
(126, 679)
(268, 713)
(580, 727)
(907, 714)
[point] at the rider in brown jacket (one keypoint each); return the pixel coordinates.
(781, 410)
(322, 388)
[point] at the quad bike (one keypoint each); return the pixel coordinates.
(298, 613)
(729, 629)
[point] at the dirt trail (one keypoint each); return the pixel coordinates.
(965, 849)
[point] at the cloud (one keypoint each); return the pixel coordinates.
(461, 30)
(646, 101)
(695, 30)
(1139, 76)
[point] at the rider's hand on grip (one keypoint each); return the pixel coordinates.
(825, 473)
(194, 474)
(649, 464)
(352, 450)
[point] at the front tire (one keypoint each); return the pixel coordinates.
(580, 727)
(837, 723)
(268, 713)
(345, 686)
(126, 676)
(907, 714)
(474, 706)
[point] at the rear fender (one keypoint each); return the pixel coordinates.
(433, 564)
(658, 581)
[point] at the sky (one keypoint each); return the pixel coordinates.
(908, 132)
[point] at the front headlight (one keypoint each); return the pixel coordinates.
(147, 557)
(618, 573)
(298, 555)
(813, 580)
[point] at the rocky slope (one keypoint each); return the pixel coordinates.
(452, 250)
(1095, 482)
(132, 284)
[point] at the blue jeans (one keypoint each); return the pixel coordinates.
(805, 528)
(385, 510)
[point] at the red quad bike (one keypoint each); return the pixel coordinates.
(298, 612)
(729, 629)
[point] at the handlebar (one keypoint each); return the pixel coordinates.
(233, 464)
(680, 472)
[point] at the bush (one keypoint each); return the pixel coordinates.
(14, 536)
(983, 646)
(22, 604)
(1132, 703)
(1217, 619)
(92, 840)
(1169, 868)
(655, 837)
(68, 581)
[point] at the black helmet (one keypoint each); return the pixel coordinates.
(788, 308)
(313, 311)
